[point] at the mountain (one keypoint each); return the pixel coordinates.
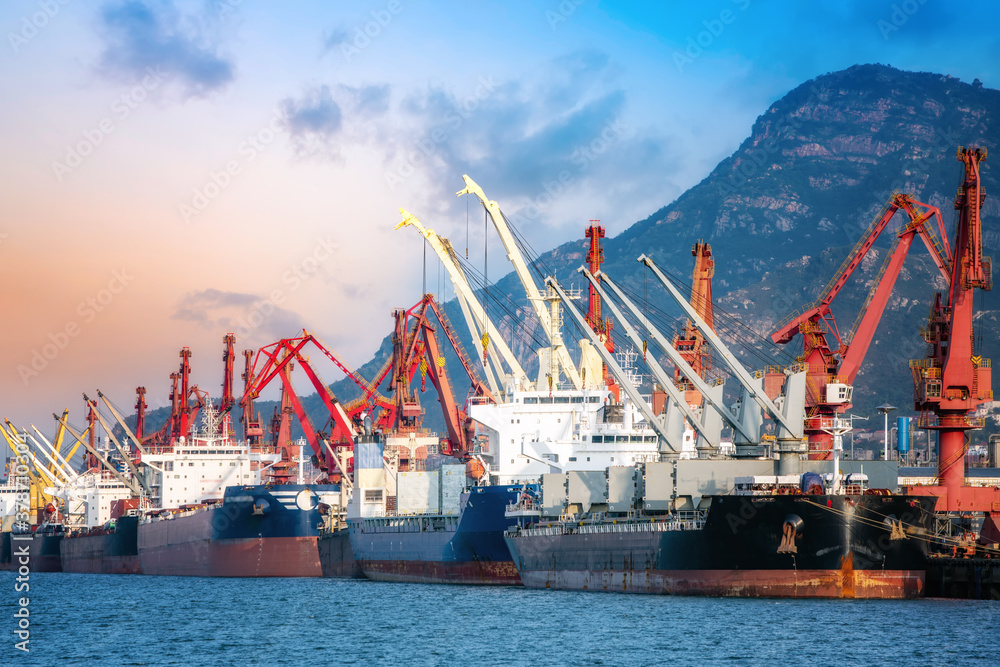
(784, 210)
(782, 213)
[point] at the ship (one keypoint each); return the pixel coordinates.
(256, 531)
(99, 524)
(779, 542)
(103, 507)
(447, 525)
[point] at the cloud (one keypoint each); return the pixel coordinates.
(556, 134)
(254, 319)
(369, 100)
(140, 34)
(313, 120)
(334, 38)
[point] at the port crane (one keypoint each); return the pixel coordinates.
(185, 403)
(273, 361)
(554, 359)
(954, 379)
(834, 365)
(415, 345)
(491, 348)
(602, 328)
(689, 342)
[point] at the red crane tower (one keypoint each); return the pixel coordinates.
(953, 380)
(228, 401)
(690, 343)
(140, 412)
(602, 327)
(416, 346)
(252, 428)
(832, 369)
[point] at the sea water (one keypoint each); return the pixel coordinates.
(96, 620)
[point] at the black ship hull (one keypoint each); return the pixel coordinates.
(104, 552)
(762, 546)
(336, 557)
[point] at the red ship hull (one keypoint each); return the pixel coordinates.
(218, 542)
(437, 572)
(861, 584)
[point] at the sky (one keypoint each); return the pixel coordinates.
(173, 170)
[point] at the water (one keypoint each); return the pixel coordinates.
(96, 620)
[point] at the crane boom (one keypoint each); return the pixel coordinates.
(661, 375)
(121, 451)
(482, 322)
(130, 483)
(666, 437)
(832, 369)
(537, 301)
(680, 362)
(140, 450)
(794, 430)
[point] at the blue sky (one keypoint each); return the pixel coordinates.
(176, 170)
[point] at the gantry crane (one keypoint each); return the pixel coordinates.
(832, 369)
(954, 379)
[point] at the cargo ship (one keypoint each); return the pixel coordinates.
(256, 531)
(768, 539)
(103, 510)
(445, 526)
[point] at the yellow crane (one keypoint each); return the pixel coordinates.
(40, 476)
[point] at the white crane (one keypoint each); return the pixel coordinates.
(556, 357)
(475, 316)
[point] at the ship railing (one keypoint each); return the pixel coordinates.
(523, 505)
(692, 520)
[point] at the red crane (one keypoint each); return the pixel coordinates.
(417, 346)
(832, 369)
(229, 340)
(140, 412)
(953, 380)
(601, 327)
(690, 343)
(185, 403)
(252, 429)
(275, 361)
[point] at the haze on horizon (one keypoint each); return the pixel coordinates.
(178, 169)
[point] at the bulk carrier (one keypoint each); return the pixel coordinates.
(768, 539)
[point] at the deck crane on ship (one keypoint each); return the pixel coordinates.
(745, 421)
(478, 322)
(554, 359)
(832, 369)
